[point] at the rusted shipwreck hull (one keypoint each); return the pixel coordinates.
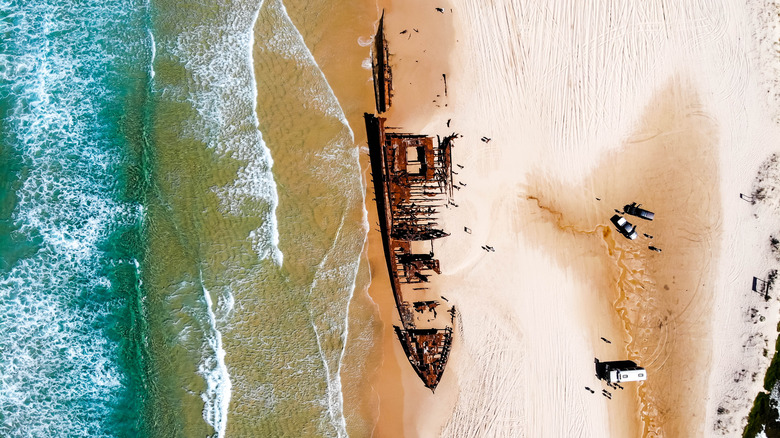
(427, 351)
(412, 177)
(380, 63)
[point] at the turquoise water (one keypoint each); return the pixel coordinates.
(160, 273)
(71, 350)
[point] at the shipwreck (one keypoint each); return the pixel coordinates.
(412, 176)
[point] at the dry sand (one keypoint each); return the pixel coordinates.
(671, 105)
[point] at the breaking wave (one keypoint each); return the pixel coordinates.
(216, 399)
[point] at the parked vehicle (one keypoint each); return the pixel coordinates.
(635, 210)
(624, 227)
(619, 371)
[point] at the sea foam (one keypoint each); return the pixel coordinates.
(216, 399)
(59, 369)
(218, 87)
(223, 92)
(154, 53)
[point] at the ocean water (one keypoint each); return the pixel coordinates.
(71, 351)
(181, 221)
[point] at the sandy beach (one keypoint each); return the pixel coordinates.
(589, 107)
